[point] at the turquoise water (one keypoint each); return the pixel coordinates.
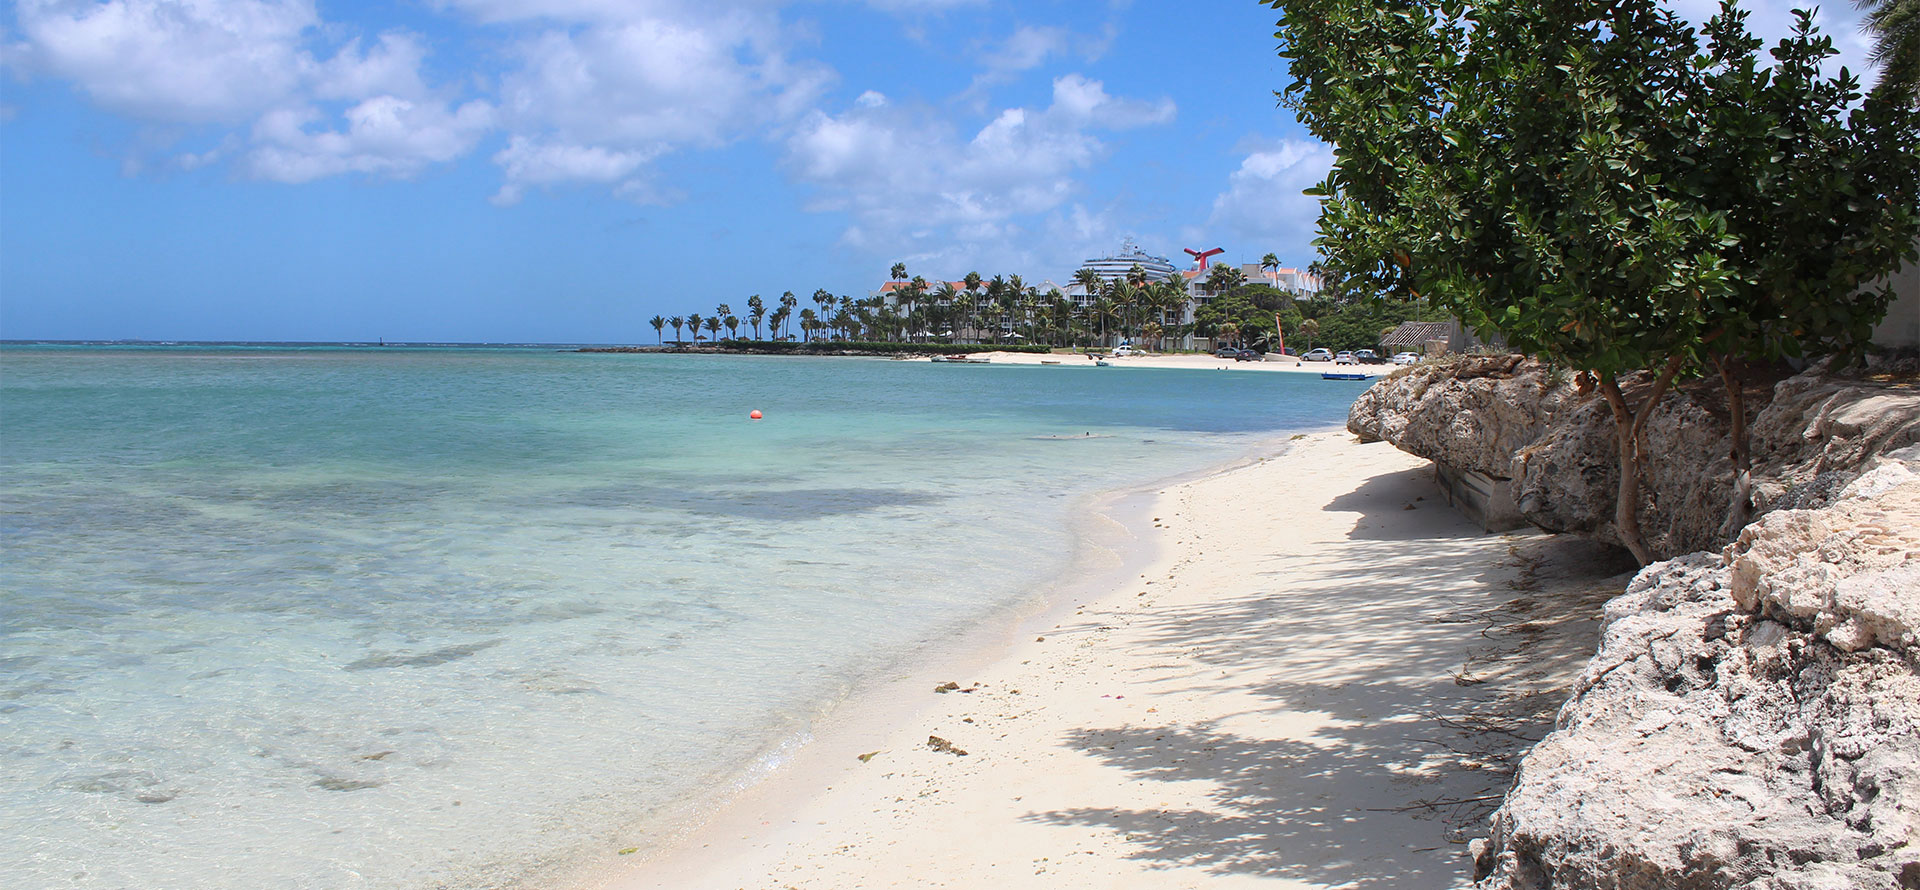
(344, 618)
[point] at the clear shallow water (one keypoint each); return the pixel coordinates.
(342, 618)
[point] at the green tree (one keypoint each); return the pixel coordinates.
(1793, 168)
(1308, 329)
(756, 312)
(808, 320)
(713, 329)
(733, 327)
(1546, 171)
(898, 272)
(677, 322)
(693, 327)
(823, 299)
(659, 325)
(1222, 277)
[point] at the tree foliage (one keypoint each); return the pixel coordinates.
(1591, 180)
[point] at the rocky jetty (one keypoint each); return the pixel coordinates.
(1752, 718)
(1532, 444)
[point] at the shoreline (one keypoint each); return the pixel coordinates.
(1110, 533)
(1158, 361)
(1207, 707)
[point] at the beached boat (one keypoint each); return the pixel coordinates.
(1049, 361)
(1102, 363)
(1344, 375)
(964, 359)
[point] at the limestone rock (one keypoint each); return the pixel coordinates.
(1751, 720)
(1518, 421)
(1472, 414)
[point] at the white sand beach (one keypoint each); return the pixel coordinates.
(1184, 361)
(1279, 696)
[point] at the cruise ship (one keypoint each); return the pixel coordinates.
(1110, 268)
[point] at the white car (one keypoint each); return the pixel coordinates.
(1345, 358)
(1407, 358)
(1122, 349)
(1317, 355)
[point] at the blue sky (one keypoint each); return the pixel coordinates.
(562, 170)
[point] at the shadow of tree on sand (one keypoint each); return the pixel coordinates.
(1378, 734)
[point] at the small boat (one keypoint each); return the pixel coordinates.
(1049, 361)
(964, 359)
(1344, 375)
(1102, 363)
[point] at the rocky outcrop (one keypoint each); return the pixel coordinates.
(1523, 425)
(1752, 718)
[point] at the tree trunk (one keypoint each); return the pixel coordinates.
(1630, 429)
(1740, 509)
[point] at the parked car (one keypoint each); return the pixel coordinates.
(1123, 349)
(1227, 352)
(1345, 358)
(1366, 356)
(1249, 355)
(1407, 358)
(1317, 355)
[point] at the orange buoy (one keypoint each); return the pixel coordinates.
(754, 416)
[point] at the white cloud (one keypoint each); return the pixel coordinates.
(640, 80)
(916, 186)
(384, 135)
(171, 61)
(390, 68)
(871, 99)
(529, 163)
(1263, 203)
(230, 62)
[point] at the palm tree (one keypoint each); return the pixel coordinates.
(787, 302)
(824, 300)
(1088, 280)
(898, 272)
(807, 323)
(693, 326)
(1101, 310)
(713, 329)
(1227, 330)
(676, 321)
(1318, 272)
(733, 328)
(1222, 278)
(756, 310)
(1307, 329)
(1895, 25)
(778, 320)
(944, 297)
(659, 324)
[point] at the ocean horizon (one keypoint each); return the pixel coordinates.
(324, 616)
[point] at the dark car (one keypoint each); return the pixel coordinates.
(1366, 356)
(1249, 355)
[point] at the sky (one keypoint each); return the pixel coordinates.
(563, 170)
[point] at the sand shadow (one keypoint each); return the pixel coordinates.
(1421, 693)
